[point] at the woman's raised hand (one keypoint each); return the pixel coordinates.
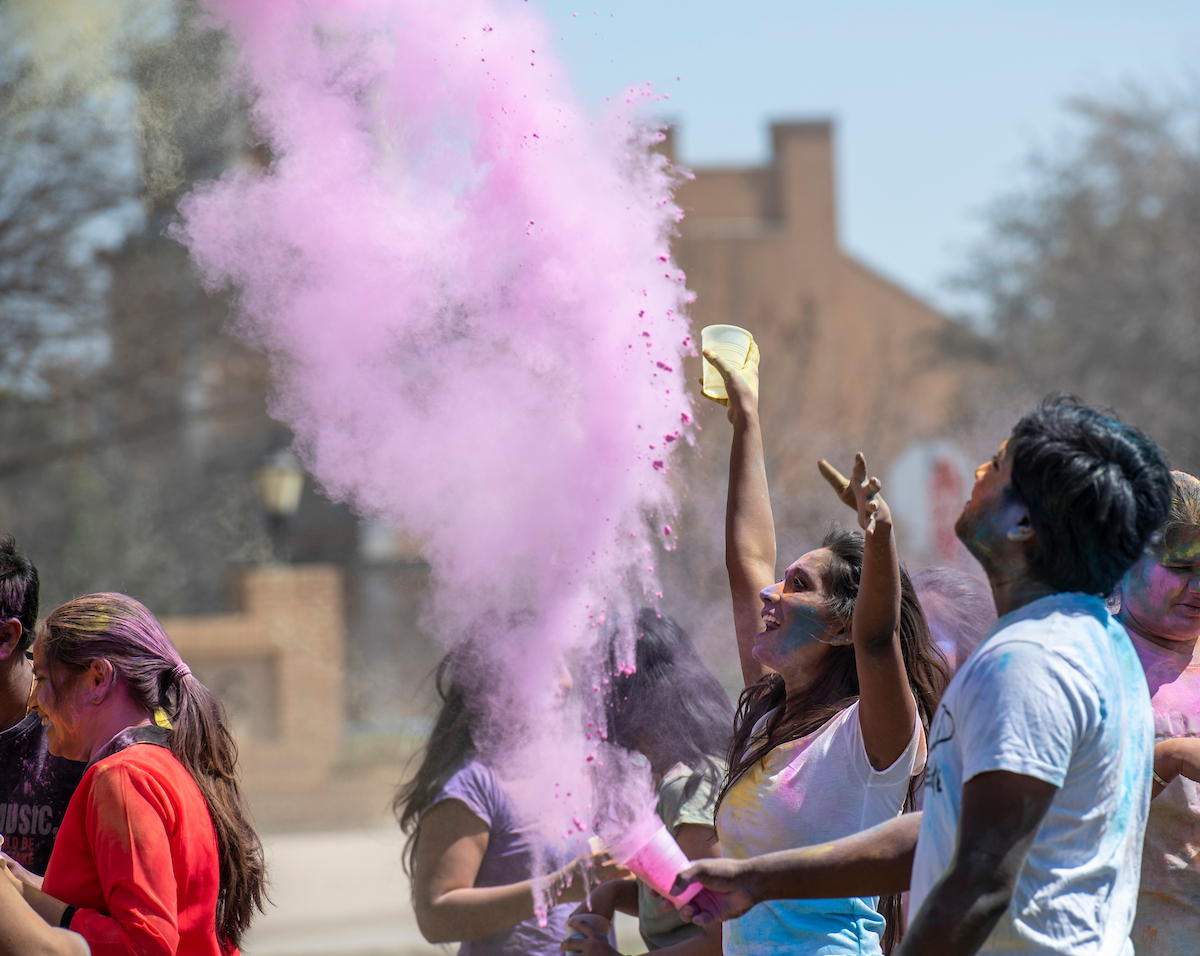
(859, 492)
(741, 384)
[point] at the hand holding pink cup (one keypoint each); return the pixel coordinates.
(656, 858)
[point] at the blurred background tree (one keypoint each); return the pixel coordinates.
(1089, 278)
(130, 420)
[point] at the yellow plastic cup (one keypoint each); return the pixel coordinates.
(733, 345)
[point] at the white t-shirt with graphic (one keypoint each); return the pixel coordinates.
(1056, 692)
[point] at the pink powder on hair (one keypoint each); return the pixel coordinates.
(448, 262)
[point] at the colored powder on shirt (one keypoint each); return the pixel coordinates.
(1168, 909)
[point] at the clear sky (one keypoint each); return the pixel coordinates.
(937, 104)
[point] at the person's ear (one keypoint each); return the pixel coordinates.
(1020, 528)
(10, 637)
(103, 678)
(843, 637)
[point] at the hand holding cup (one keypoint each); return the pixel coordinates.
(727, 893)
(728, 351)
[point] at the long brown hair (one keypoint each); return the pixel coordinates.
(836, 687)
(120, 630)
(451, 744)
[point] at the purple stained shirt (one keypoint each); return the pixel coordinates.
(35, 789)
(508, 859)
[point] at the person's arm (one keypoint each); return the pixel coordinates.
(699, 842)
(749, 524)
(610, 897)
(18, 871)
(1001, 813)
(887, 711)
(451, 909)
(875, 862)
(1177, 757)
(24, 933)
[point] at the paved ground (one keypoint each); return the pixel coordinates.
(345, 894)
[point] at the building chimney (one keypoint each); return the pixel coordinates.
(803, 184)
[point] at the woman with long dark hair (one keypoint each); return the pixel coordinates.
(470, 853)
(841, 680)
(156, 853)
(673, 711)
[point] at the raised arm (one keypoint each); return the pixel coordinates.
(886, 708)
(749, 525)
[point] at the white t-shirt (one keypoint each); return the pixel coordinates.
(807, 791)
(1056, 693)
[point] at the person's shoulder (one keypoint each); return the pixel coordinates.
(689, 794)
(150, 770)
(478, 787)
(1054, 625)
(1017, 659)
(27, 734)
(473, 773)
(478, 781)
(681, 780)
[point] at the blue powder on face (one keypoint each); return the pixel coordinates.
(806, 626)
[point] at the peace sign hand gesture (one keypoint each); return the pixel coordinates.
(860, 493)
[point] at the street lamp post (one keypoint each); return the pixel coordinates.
(279, 482)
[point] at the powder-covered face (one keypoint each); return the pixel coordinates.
(986, 518)
(63, 710)
(799, 629)
(1160, 594)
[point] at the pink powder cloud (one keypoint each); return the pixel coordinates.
(465, 285)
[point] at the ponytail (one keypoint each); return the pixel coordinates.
(201, 740)
(118, 629)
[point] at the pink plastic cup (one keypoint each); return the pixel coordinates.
(657, 861)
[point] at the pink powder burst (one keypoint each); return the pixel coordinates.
(448, 261)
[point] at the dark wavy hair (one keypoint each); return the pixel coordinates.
(1097, 492)
(120, 630)
(836, 687)
(673, 696)
(18, 590)
(451, 743)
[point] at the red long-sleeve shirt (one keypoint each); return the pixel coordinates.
(137, 853)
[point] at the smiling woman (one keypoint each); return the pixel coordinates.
(155, 855)
(1160, 607)
(842, 678)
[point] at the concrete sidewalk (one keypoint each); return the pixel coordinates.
(345, 894)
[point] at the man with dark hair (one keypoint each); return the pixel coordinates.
(34, 786)
(1041, 751)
